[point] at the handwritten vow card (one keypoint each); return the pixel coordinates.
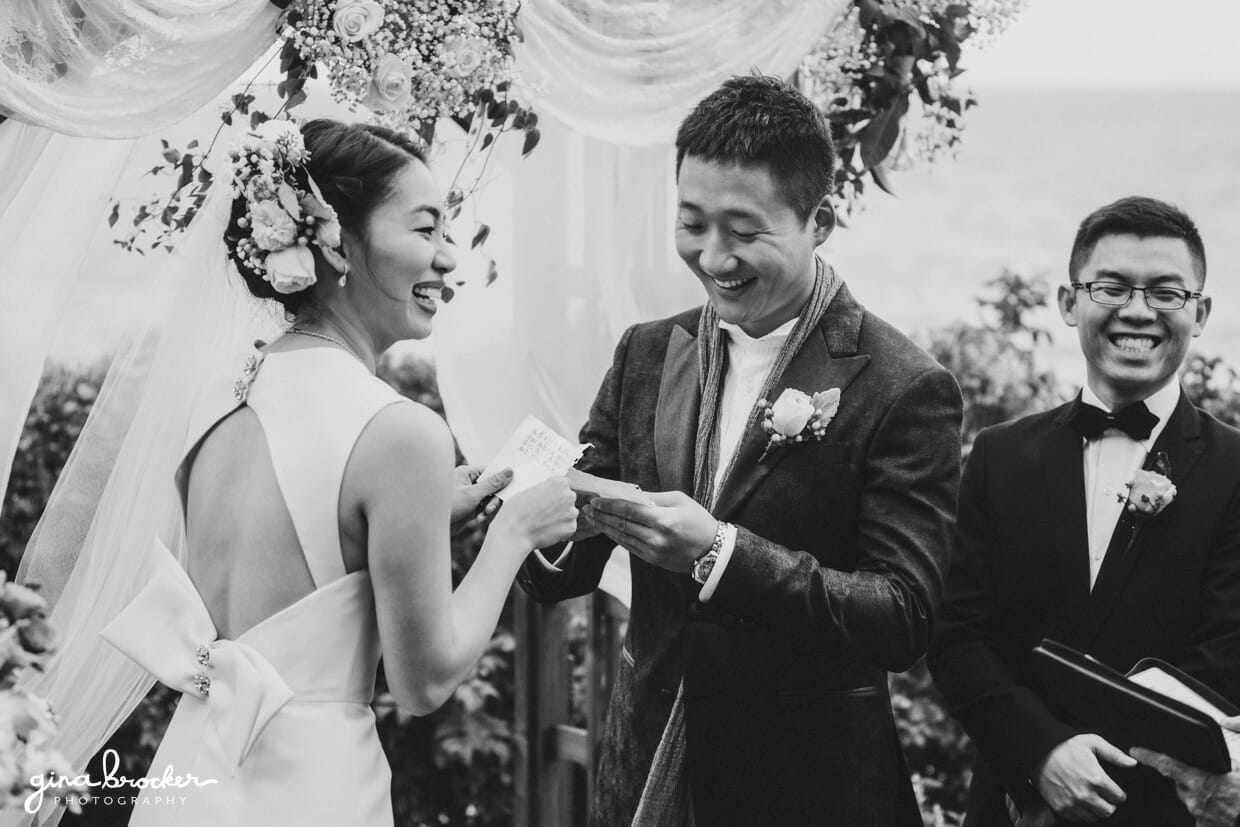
(535, 453)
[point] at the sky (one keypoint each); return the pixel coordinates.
(1141, 44)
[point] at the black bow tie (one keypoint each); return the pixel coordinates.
(1136, 420)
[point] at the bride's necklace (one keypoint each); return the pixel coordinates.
(327, 338)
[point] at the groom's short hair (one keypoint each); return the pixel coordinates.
(1140, 216)
(754, 119)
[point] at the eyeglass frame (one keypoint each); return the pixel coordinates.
(1188, 295)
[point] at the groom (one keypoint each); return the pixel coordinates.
(772, 589)
(1045, 546)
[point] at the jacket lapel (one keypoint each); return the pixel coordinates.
(1063, 468)
(828, 359)
(676, 412)
(1180, 441)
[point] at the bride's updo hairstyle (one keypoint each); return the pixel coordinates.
(355, 167)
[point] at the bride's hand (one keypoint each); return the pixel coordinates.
(473, 503)
(543, 515)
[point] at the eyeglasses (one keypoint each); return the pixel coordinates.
(1114, 294)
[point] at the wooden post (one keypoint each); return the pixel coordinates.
(543, 793)
(548, 748)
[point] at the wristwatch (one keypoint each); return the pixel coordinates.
(704, 565)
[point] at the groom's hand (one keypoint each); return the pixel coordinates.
(671, 534)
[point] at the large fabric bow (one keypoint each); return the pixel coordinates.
(167, 630)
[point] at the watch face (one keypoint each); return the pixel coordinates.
(702, 568)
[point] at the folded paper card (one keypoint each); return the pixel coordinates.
(535, 453)
(584, 483)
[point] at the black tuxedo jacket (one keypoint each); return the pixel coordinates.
(1169, 587)
(835, 578)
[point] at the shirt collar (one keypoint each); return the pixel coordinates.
(740, 337)
(1161, 402)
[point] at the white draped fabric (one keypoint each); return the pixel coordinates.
(627, 71)
(103, 69)
(53, 196)
(124, 68)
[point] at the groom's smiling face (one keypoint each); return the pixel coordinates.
(748, 247)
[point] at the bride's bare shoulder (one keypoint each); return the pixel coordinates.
(403, 440)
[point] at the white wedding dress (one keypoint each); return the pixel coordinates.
(277, 723)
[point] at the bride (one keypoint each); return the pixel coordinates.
(317, 504)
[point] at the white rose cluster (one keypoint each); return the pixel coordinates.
(281, 219)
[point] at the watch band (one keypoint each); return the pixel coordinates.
(704, 565)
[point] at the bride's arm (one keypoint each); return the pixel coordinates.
(431, 635)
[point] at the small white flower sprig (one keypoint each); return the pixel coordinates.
(1149, 491)
(282, 218)
(27, 722)
(797, 417)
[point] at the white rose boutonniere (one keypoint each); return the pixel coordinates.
(355, 20)
(796, 416)
(1149, 491)
(391, 86)
(290, 269)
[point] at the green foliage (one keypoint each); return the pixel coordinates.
(997, 361)
(61, 405)
(1214, 386)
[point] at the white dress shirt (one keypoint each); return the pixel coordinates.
(1110, 463)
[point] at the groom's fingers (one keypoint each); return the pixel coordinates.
(633, 536)
(647, 515)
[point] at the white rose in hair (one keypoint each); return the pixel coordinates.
(392, 85)
(354, 20)
(274, 229)
(791, 412)
(290, 269)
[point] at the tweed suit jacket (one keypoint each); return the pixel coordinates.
(835, 578)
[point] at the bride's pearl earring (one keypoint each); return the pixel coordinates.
(344, 276)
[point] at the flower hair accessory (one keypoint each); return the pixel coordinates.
(796, 416)
(1149, 491)
(284, 209)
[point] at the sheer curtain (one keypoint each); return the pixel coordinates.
(95, 69)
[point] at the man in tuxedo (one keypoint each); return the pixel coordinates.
(773, 586)
(1047, 546)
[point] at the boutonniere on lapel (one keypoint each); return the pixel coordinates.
(797, 417)
(1148, 492)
